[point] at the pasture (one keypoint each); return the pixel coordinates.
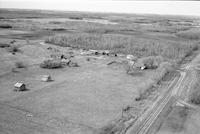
(86, 98)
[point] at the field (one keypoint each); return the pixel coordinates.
(91, 97)
(181, 121)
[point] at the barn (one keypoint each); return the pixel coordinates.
(19, 87)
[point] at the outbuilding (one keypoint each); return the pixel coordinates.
(19, 87)
(46, 78)
(131, 57)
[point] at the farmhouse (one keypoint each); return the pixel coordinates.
(46, 78)
(19, 87)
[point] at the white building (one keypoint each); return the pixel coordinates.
(20, 86)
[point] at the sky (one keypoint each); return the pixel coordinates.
(118, 6)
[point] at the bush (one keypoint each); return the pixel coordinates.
(51, 64)
(19, 65)
(151, 62)
(13, 49)
(5, 26)
(163, 70)
(3, 45)
(73, 64)
(112, 128)
(75, 18)
(195, 97)
(133, 70)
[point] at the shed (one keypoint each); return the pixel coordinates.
(46, 78)
(131, 57)
(19, 86)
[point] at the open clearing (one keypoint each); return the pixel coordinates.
(90, 95)
(88, 98)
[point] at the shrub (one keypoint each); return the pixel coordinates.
(13, 49)
(151, 62)
(195, 97)
(112, 128)
(162, 71)
(19, 65)
(133, 70)
(51, 64)
(75, 18)
(5, 26)
(58, 29)
(73, 64)
(3, 45)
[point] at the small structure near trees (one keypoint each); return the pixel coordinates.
(46, 78)
(19, 86)
(131, 57)
(143, 67)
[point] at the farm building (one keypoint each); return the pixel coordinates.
(46, 78)
(19, 87)
(131, 57)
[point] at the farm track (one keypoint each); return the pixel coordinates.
(143, 125)
(143, 129)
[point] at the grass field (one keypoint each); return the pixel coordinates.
(84, 99)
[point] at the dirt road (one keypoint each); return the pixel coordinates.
(143, 124)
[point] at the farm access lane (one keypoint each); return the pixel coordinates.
(173, 96)
(143, 123)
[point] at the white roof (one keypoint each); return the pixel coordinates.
(46, 76)
(130, 57)
(18, 84)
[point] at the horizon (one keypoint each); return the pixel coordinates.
(183, 8)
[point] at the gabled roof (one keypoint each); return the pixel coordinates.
(46, 76)
(131, 57)
(18, 84)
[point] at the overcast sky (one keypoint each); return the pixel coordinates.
(119, 6)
